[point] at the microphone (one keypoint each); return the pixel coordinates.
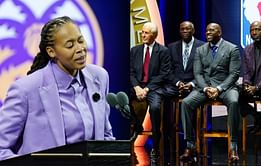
(120, 102)
(112, 100)
(123, 101)
(122, 98)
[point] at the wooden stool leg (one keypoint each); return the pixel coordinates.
(228, 143)
(244, 126)
(162, 134)
(255, 150)
(177, 109)
(205, 144)
(198, 130)
(172, 132)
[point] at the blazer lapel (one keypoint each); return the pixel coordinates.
(93, 87)
(252, 60)
(219, 56)
(191, 55)
(258, 66)
(50, 99)
(140, 61)
(153, 57)
(180, 55)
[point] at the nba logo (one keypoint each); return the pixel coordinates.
(250, 12)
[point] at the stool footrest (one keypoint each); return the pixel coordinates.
(215, 135)
(146, 133)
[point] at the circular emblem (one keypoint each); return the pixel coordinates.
(142, 11)
(20, 26)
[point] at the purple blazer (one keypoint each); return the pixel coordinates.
(31, 119)
(249, 66)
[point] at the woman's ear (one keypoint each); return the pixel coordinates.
(50, 52)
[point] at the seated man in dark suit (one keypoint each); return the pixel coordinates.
(181, 78)
(182, 52)
(216, 70)
(149, 66)
(252, 75)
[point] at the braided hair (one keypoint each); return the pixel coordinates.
(47, 39)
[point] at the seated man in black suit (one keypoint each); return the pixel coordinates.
(182, 52)
(181, 79)
(149, 66)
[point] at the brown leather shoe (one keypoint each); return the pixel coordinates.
(188, 155)
(234, 155)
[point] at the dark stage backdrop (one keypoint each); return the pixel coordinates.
(113, 18)
(227, 13)
(201, 12)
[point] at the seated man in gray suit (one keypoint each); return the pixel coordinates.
(216, 70)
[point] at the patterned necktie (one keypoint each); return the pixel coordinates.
(214, 51)
(81, 104)
(185, 56)
(146, 66)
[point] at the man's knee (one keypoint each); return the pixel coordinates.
(154, 106)
(233, 102)
(186, 103)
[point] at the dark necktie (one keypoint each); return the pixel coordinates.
(214, 51)
(185, 56)
(146, 66)
(81, 104)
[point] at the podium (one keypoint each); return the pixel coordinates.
(87, 153)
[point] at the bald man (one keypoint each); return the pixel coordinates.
(252, 75)
(216, 70)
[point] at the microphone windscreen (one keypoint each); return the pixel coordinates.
(112, 99)
(122, 99)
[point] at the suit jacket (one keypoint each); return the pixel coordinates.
(31, 117)
(249, 67)
(222, 71)
(177, 71)
(159, 66)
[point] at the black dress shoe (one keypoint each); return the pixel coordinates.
(256, 129)
(234, 155)
(188, 155)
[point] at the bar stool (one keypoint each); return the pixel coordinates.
(256, 146)
(258, 134)
(216, 134)
(176, 109)
(244, 133)
(177, 101)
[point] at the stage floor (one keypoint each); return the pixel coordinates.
(217, 156)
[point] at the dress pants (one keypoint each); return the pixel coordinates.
(154, 101)
(244, 100)
(197, 98)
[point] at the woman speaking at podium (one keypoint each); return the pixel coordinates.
(61, 100)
